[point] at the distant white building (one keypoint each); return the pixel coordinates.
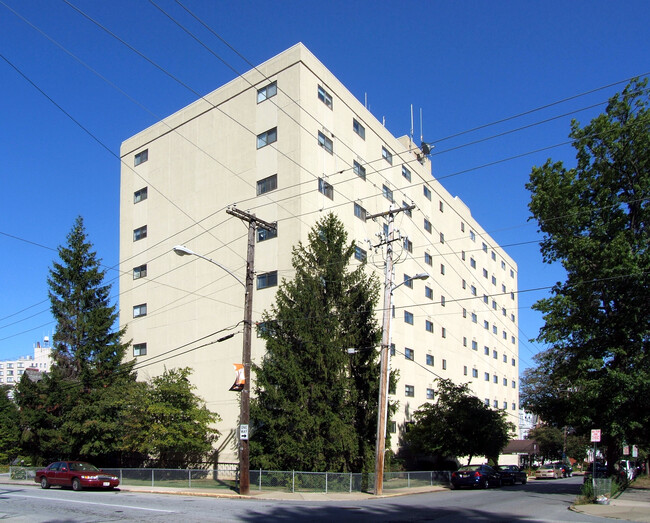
(527, 422)
(11, 371)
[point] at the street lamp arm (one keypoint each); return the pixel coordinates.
(420, 276)
(181, 250)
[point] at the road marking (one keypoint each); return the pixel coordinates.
(85, 502)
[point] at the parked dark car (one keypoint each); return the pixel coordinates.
(481, 476)
(601, 472)
(75, 474)
(511, 474)
(567, 470)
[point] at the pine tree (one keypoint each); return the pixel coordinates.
(316, 404)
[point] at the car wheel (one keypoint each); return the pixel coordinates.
(76, 484)
(44, 482)
(524, 481)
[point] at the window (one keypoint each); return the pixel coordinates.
(464, 313)
(495, 379)
(512, 317)
(505, 382)
(408, 317)
(485, 299)
(267, 92)
(505, 358)
(140, 349)
(427, 226)
(472, 236)
(428, 325)
(266, 234)
(358, 128)
(408, 245)
(444, 364)
(503, 311)
(409, 391)
(267, 279)
(486, 350)
(505, 335)
(392, 349)
(472, 289)
(139, 233)
(486, 325)
(140, 310)
(442, 269)
(494, 329)
(505, 405)
(388, 194)
(325, 143)
(441, 206)
(484, 246)
(464, 370)
(359, 169)
(512, 361)
(442, 237)
(409, 354)
(494, 280)
(485, 273)
(512, 295)
(474, 318)
(360, 254)
(141, 157)
(503, 265)
(267, 184)
(514, 385)
(386, 155)
(360, 212)
(495, 404)
(140, 195)
(407, 209)
(462, 255)
(325, 188)
(443, 333)
(139, 272)
(494, 305)
(324, 97)
(406, 173)
(495, 354)
(462, 226)
(487, 402)
(474, 373)
(408, 281)
(430, 394)
(428, 259)
(512, 340)
(427, 192)
(392, 427)
(267, 137)
(474, 345)
(512, 273)
(472, 263)
(464, 284)
(512, 406)
(486, 376)
(494, 256)
(428, 292)
(430, 360)
(443, 301)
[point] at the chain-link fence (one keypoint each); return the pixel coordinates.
(602, 488)
(226, 476)
(296, 481)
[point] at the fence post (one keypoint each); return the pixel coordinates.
(293, 481)
(326, 483)
(431, 479)
(408, 479)
(260, 480)
(189, 477)
(152, 477)
(120, 476)
(350, 482)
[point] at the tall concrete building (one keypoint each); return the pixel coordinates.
(289, 143)
(11, 371)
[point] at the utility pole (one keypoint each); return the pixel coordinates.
(244, 412)
(384, 377)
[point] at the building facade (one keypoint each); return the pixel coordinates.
(11, 371)
(289, 143)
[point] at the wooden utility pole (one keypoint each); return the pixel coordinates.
(244, 412)
(384, 376)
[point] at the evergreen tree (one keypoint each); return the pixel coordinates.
(316, 404)
(74, 410)
(596, 370)
(9, 427)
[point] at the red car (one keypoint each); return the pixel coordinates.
(75, 474)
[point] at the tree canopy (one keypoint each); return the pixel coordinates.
(595, 372)
(316, 403)
(550, 440)
(458, 424)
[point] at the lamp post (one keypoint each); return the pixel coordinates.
(384, 374)
(244, 413)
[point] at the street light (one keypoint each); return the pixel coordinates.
(244, 406)
(382, 408)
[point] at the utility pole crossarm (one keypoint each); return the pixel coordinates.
(391, 212)
(251, 218)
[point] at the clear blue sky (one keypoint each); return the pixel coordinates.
(464, 63)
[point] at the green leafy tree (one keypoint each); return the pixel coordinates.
(167, 423)
(316, 404)
(9, 427)
(595, 220)
(457, 423)
(550, 441)
(576, 447)
(74, 410)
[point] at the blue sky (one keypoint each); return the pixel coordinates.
(71, 92)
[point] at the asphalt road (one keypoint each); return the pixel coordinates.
(544, 500)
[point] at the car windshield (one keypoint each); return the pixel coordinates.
(83, 467)
(508, 468)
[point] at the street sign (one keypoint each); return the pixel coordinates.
(635, 451)
(626, 450)
(595, 435)
(243, 432)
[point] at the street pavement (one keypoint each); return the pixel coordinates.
(633, 504)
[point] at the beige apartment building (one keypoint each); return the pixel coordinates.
(289, 143)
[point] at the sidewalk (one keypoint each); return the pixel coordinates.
(632, 505)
